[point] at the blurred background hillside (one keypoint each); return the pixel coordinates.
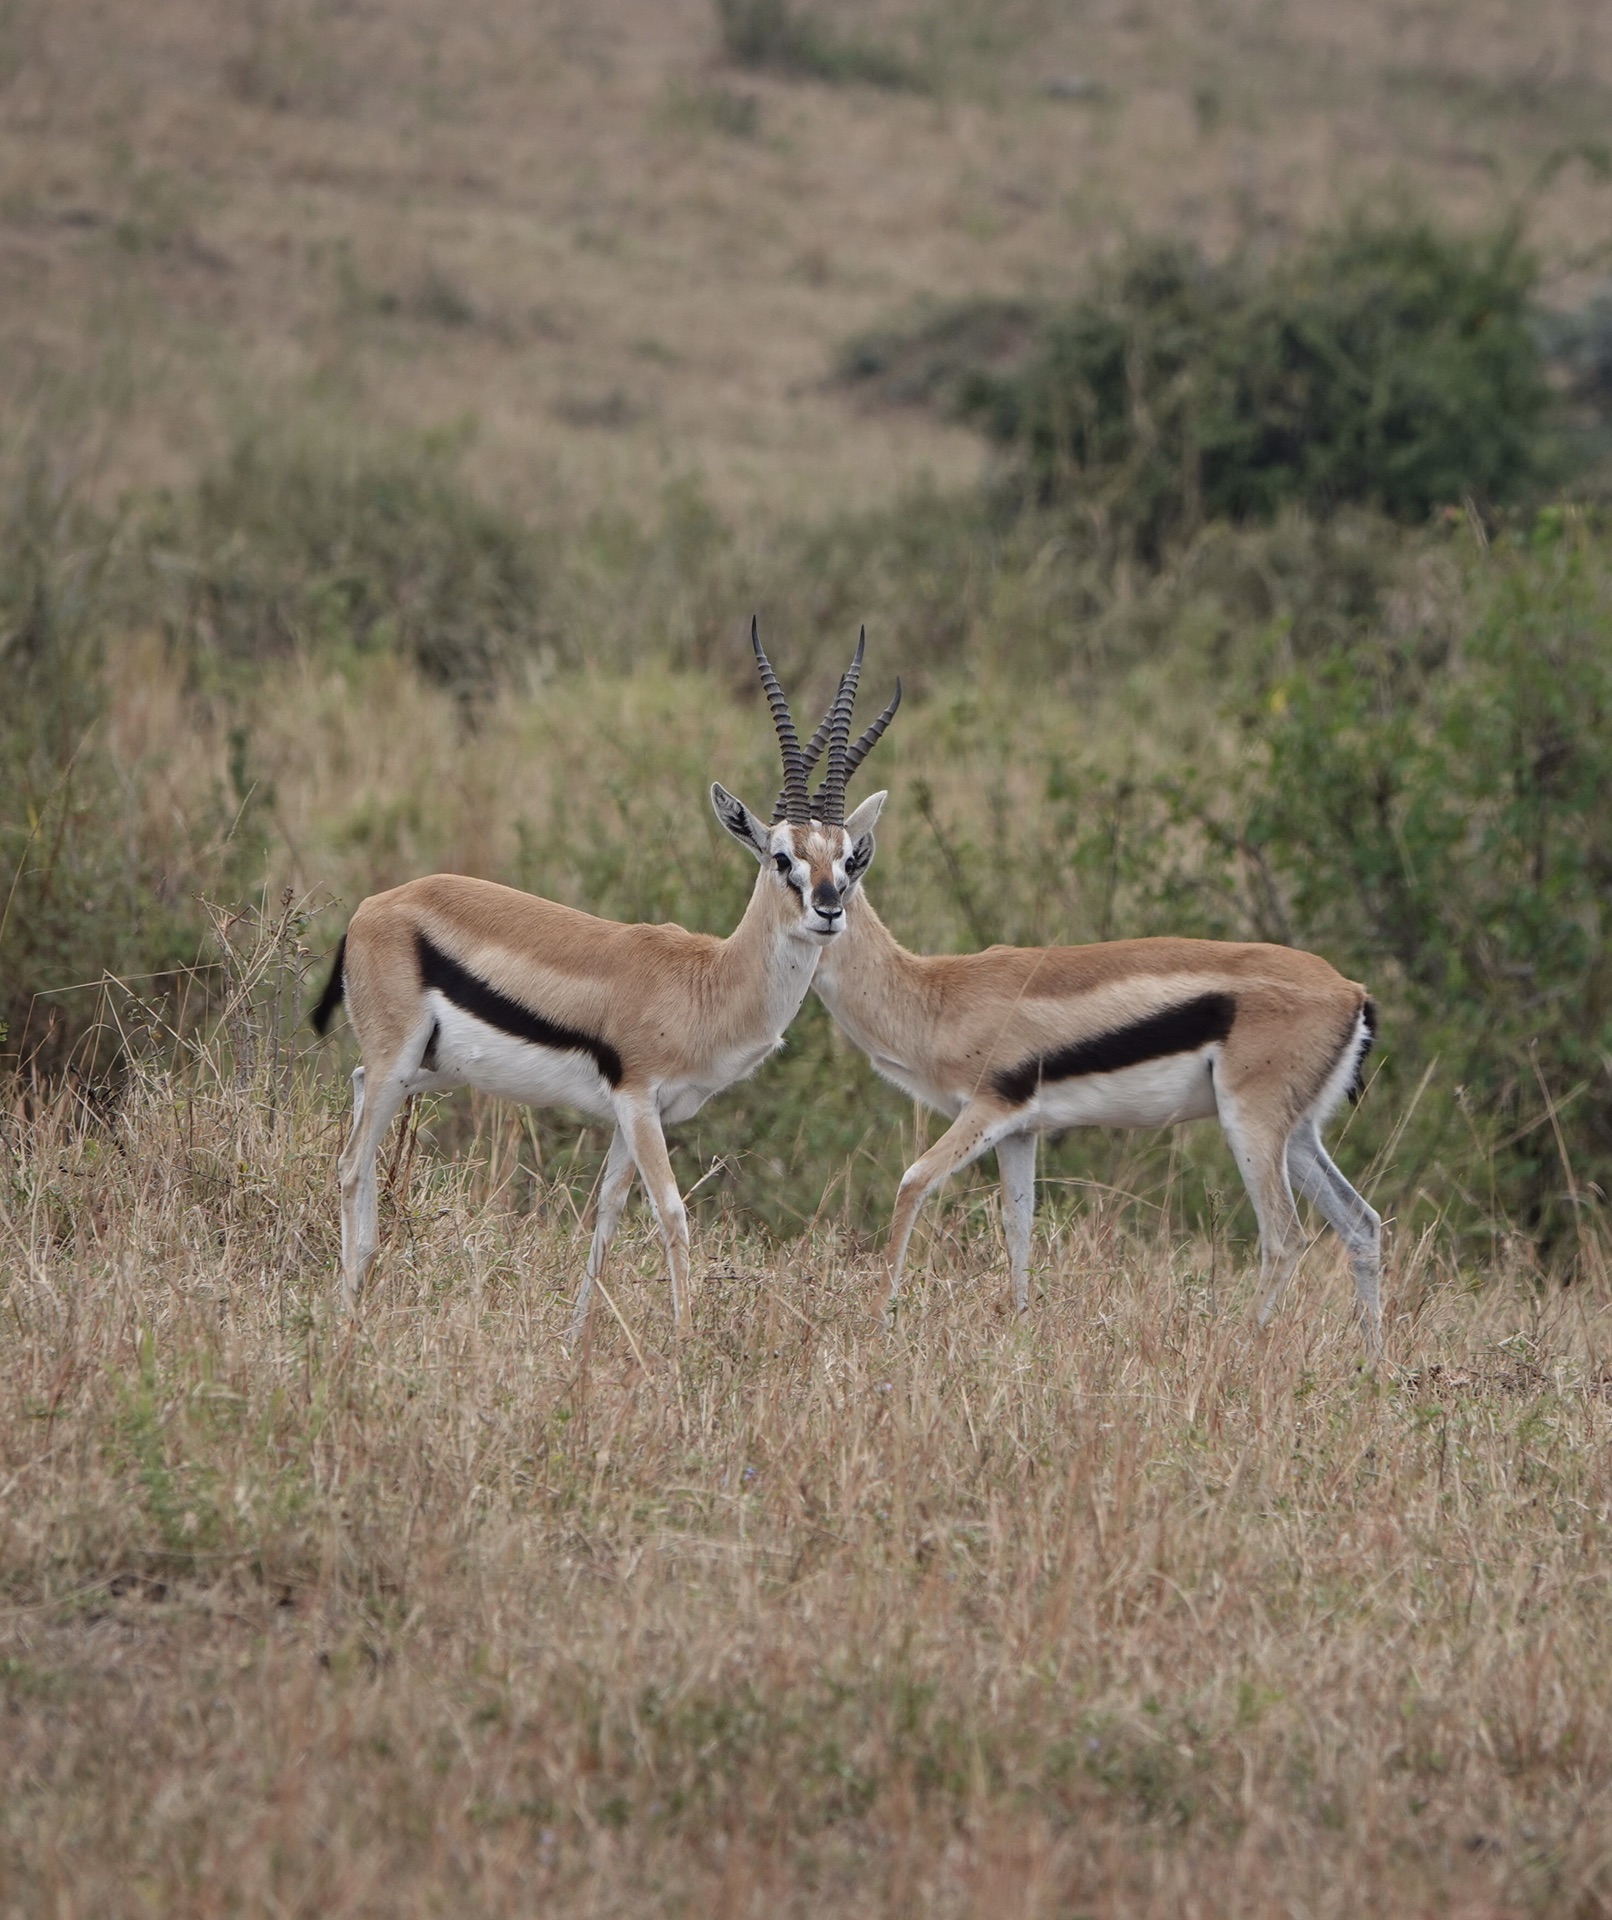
(1208, 407)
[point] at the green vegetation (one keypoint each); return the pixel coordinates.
(298, 547)
(85, 892)
(799, 41)
(1427, 808)
(1388, 365)
(1387, 741)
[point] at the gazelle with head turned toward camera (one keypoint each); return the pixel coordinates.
(454, 982)
(1020, 1041)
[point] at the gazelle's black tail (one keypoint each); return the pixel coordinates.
(335, 987)
(1368, 1014)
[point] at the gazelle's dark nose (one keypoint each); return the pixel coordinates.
(826, 899)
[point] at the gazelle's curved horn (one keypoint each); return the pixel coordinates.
(810, 754)
(872, 734)
(829, 803)
(797, 803)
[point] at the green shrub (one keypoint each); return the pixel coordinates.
(1448, 832)
(285, 548)
(83, 896)
(1432, 819)
(1388, 365)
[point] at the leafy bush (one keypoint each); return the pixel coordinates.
(1448, 832)
(797, 40)
(83, 894)
(282, 548)
(1434, 821)
(1386, 365)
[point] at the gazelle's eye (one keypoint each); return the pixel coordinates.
(783, 861)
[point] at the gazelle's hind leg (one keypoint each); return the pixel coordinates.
(1015, 1161)
(1355, 1221)
(375, 1104)
(613, 1191)
(1261, 1155)
(977, 1129)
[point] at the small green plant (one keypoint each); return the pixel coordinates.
(712, 109)
(782, 37)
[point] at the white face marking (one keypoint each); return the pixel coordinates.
(811, 863)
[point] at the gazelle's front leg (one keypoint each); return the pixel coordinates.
(979, 1127)
(1015, 1161)
(613, 1191)
(637, 1117)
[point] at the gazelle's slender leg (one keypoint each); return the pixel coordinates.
(1355, 1221)
(613, 1191)
(641, 1123)
(374, 1109)
(1261, 1155)
(1015, 1161)
(978, 1128)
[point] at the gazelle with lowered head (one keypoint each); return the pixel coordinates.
(1019, 1041)
(454, 982)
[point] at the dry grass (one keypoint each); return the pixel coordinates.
(1118, 1610)
(528, 216)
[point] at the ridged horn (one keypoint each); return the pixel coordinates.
(872, 735)
(797, 802)
(829, 803)
(811, 753)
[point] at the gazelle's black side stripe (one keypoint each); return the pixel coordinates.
(1179, 1029)
(475, 996)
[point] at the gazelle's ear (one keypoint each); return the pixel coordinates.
(866, 817)
(860, 827)
(740, 821)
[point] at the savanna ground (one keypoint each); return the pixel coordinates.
(401, 411)
(1111, 1610)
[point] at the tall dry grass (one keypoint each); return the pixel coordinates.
(1118, 1609)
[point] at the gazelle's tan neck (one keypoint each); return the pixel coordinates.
(875, 988)
(762, 970)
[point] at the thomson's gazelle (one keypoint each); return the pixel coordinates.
(453, 982)
(1018, 1041)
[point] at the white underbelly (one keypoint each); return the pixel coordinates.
(469, 1053)
(899, 1074)
(1157, 1093)
(682, 1099)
